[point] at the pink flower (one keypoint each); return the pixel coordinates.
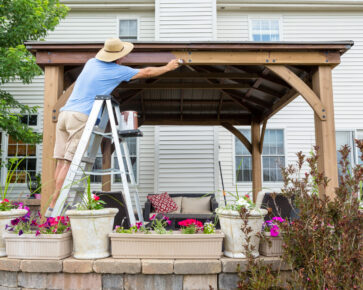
(153, 217)
(274, 232)
(95, 197)
(37, 233)
(138, 225)
(4, 200)
(168, 222)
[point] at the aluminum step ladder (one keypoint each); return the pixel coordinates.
(104, 110)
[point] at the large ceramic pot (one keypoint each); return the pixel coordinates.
(90, 230)
(5, 218)
(231, 224)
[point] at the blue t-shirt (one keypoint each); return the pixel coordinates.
(97, 78)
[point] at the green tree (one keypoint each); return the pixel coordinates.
(20, 21)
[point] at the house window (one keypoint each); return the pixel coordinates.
(27, 152)
(265, 29)
(273, 157)
(132, 145)
(344, 138)
(128, 29)
(360, 137)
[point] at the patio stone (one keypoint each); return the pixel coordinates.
(41, 266)
(72, 265)
(200, 282)
(227, 281)
(10, 288)
(32, 280)
(112, 282)
(117, 266)
(153, 282)
(9, 264)
(157, 266)
(276, 263)
(197, 267)
(8, 279)
(74, 281)
(230, 265)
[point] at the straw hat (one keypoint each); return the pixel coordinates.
(114, 49)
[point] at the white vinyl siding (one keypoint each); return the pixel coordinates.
(98, 26)
(187, 20)
(185, 159)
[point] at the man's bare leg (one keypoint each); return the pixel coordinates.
(60, 175)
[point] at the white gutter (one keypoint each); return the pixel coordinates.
(328, 5)
(85, 5)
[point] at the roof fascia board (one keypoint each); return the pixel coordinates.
(279, 5)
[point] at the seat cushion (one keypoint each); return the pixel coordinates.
(162, 203)
(196, 205)
(178, 201)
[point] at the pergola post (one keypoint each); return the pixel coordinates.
(325, 130)
(256, 160)
(53, 88)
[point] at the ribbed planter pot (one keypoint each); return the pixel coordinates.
(273, 249)
(167, 246)
(235, 239)
(5, 218)
(90, 229)
(42, 247)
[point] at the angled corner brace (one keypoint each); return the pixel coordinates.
(300, 86)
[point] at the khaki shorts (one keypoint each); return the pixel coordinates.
(68, 133)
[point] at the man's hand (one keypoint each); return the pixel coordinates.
(150, 72)
(173, 64)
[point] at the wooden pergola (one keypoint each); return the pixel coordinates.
(224, 84)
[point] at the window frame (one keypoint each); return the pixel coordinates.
(249, 183)
(265, 17)
(354, 132)
(137, 18)
(4, 149)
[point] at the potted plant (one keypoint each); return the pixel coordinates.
(231, 223)
(91, 223)
(27, 238)
(271, 244)
(193, 241)
(9, 210)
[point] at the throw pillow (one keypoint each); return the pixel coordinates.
(196, 205)
(162, 203)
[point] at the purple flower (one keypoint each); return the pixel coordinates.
(279, 219)
(14, 222)
(274, 232)
(37, 233)
(21, 232)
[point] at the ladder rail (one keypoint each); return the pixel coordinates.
(81, 148)
(121, 163)
(132, 179)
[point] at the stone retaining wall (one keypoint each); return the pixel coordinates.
(125, 273)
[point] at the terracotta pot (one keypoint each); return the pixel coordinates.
(42, 247)
(274, 249)
(5, 218)
(90, 229)
(167, 246)
(235, 239)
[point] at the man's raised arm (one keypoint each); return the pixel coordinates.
(150, 72)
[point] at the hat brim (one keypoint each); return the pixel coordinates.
(112, 56)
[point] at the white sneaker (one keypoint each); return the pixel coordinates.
(48, 212)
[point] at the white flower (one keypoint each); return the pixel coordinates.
(243, 203)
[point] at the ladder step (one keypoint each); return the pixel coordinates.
(100, 172)
(89, 160)
(129, 133)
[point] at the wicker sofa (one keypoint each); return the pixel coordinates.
(176, 217)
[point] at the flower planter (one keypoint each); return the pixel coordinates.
(235, 239)
(273, 249)
(5, 218)
(167, 246)
(90, 229)
(42, 247)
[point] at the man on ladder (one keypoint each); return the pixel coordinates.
(99, 76)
